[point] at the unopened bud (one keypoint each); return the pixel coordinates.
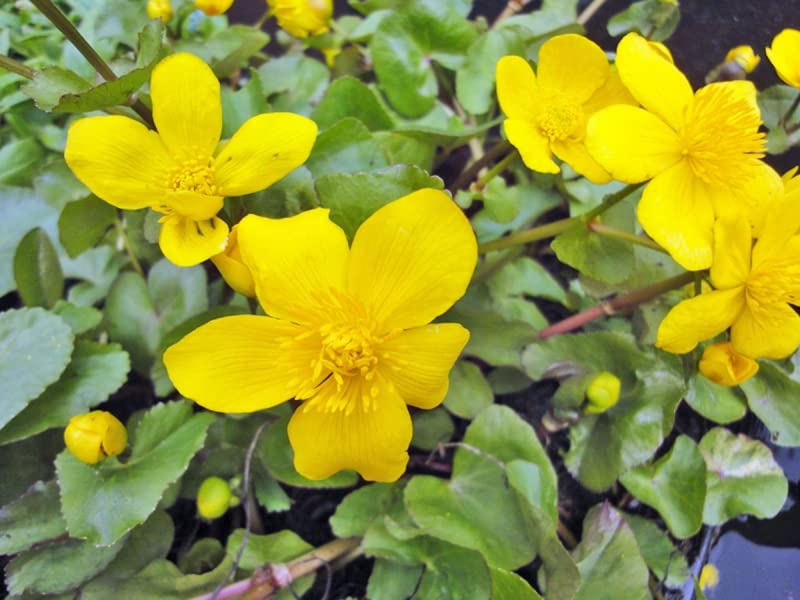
(214, 498)
(602, 393)
(213, 7)
(232, 267)
(94, 436)
(723, 365)
(302, 18)
(744, 57)
(159, 9)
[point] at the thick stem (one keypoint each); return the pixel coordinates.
(65, 26)
(616, 305)
(472, 171)
(9, 64)
(556, 227)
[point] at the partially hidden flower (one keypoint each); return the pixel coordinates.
(213, 7)
(546, 111)
(94, 436)
(784, 54)
(602, 393)
(754, 288)
(214, 498)
(709, 577)
(302, 18)
(159, 9)
(701, 152)
(182, 171)
(724, 365)
(348, 331)
(232, 268)
(744, 56)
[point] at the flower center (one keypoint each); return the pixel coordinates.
(776, 281)
(347, 350)
(559, 118)
(720, 137)
(193, 175)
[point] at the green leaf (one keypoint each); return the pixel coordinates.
(290, 196)
(468, 393)
(37, 270)
(98, 269)
(675, 486)
(603, 446)
(715, 402)
(19, 160)
(350, 97)
(666, 561)
(361, 507)
(772, 396)
(346, 147)
(104, 502)
(80, 318)
(774, 103)
(510, 586)
(352, 197)
(93, 374)
(33, 518)
(83, 223)
(390, 580)
(742, 478)
(35, 348)
(608, 559)
(204, 555)
(277, 456)
(552, 15)
(32, 461)
(294, 82)
(407, 148)
(240, 105)
(452, 573)
(522, 277)
(493, 339)
(58, 567)
(653, 18)
(455, 510)
(431, 428)
(50, 84)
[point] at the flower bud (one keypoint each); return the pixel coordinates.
(214, 498)
(94, 436)
(213, 7)
(602, 393)
(159, 9)
(723, 365)
(232, 267)
(744, 57)
(302, 18)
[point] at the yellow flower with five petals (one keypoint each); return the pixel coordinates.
(348, 331)
(754, 288)
(182, 170)
(701, 150)
(546, 111)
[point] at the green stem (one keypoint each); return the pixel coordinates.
(497, 169)
(618, 234)
(472, 171)
(9, 64)
(552, 229)
(616, 305)
(128, 248)
(791, 110)
(65, 26)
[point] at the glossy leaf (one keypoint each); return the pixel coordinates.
(468, 393)
(772, 396)
(83, 223)
(37, 270)
(33, 518)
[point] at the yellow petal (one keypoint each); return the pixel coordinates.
(213, 7)
(744, 90)
(418, 361)
(533, 147)
(699, 318)
(780, 225)
(241, 364)
(119, 160)
(186, 242)
(373, 442)
(264, 149)
(412, 259)
(193, 205)
(631, 144)
(613, 91)
(656, 83)
(297, 264)
(232, 267)
(751, 199)
(572, 65)
(784, 55)
(677, 213)
(577, 157)
(723, 365)
(516, 87)
(186, 106)
(766, 331)
(732, 242)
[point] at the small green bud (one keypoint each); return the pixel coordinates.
(214, 498)
(602, 393)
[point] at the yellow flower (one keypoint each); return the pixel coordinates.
(702, 151)
(723, 365)
(302, 18)
(348, 331)
(744, 57)
(94, 436)
(180, 170)
(213, 7)
(602, 393)
(159, 9)
(232, 267)
(214, 498)
(709, 577)
(784, 54)
(754, 286)
(547, 111)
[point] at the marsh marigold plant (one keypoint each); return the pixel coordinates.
(701, 152)
(181, 170)
(348, 331)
